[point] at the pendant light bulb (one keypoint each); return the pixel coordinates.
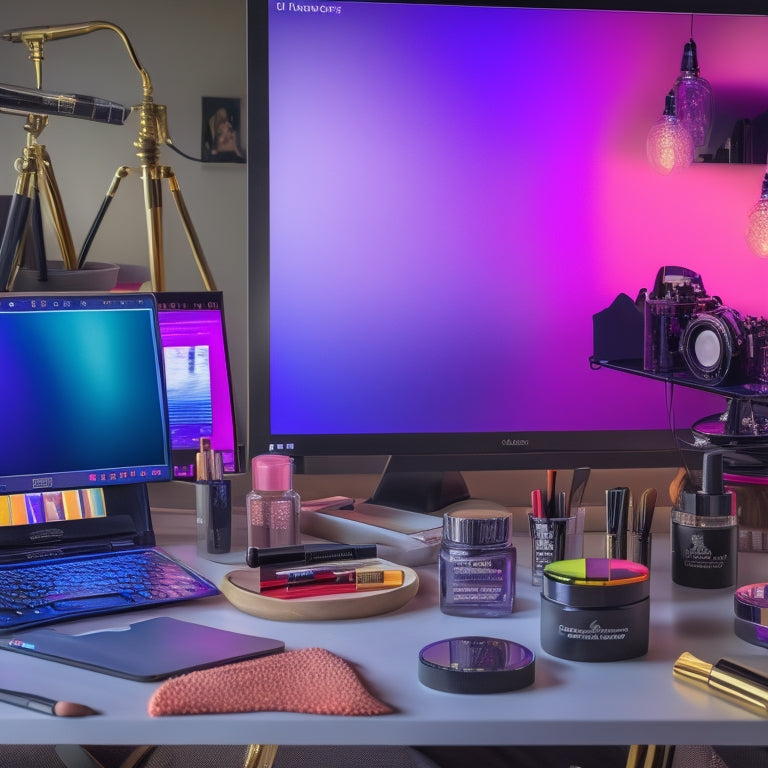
(693, 97)
(669, 145)
(757, 223)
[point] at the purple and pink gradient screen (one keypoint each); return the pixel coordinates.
(199, 401)
(456, 190)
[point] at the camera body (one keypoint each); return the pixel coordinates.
(688, 330)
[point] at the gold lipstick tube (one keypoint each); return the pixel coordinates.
(738, 684)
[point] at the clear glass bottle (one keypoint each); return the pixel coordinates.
(477, 564)
(272, 506)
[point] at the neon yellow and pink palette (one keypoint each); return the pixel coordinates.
(596, 571)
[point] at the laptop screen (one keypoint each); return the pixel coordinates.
(81, 392)
(197, 377)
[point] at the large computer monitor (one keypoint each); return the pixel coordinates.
(442, 195)
(197, 376)
(82, 392)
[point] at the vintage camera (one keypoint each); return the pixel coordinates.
(678, 295)
(686, 329)
(721, 346)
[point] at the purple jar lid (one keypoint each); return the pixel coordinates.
(750, 603)
(476, 665)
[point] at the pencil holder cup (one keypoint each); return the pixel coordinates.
(555, 538)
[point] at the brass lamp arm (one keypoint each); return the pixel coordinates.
(34, 37)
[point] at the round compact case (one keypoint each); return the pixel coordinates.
(595, 609)
(476, 665)
(750, 606)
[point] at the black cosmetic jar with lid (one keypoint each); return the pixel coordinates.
(476, 664)
(595, 609)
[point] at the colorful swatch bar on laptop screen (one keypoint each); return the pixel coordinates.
(52, 506)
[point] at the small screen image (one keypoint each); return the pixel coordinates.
(52, 506)
(188, 384)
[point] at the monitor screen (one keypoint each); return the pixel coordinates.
(82, 388)
(441, 197)
(197, 376)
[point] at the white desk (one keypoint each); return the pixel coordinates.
(570, 703)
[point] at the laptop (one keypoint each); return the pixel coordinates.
(83, 405)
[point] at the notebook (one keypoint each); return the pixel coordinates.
(85, 427)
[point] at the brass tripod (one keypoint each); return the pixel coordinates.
(35, 175)
(153, 132)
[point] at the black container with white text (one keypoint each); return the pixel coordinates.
(704, 538)
(596, 619)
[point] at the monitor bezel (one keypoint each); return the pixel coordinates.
(435, 451)
(103, 477)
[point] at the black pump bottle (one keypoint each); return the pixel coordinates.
(705, 538)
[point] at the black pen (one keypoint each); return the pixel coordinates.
(306, 554)
(616, 513)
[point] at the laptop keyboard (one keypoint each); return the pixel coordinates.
(43, 591)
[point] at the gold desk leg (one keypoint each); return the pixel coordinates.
(650, 756)
(260, 756)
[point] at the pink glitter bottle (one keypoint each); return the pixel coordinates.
(272, 506)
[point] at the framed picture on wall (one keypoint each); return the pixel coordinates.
(221, 130)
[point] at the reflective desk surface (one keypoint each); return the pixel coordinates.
(627, 702)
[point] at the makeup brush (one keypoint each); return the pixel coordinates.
(578, 486)
(46, 705)
(551, 500)
(642, 522)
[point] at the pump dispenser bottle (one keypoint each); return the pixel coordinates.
(272, 506)
(705, 539)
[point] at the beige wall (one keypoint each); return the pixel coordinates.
(190, 49)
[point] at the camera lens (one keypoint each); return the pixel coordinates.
(712, 343)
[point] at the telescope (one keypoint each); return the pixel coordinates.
(25, 101)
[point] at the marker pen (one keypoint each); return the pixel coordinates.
(362, 580)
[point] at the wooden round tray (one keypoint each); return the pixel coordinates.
(241, 588)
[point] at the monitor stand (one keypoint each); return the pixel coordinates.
(426, 492)
(403, 517)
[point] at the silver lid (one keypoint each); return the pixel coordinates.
(476, 527)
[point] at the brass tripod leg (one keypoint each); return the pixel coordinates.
(153, 202)
(46, 182)
(35, 175)
(194, 243)
(151, 178)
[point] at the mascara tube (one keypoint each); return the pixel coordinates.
(213, 503)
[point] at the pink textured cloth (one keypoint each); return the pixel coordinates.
(309, 680)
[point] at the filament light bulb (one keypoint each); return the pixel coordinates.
(693, 97)
(669, 145)
(757, 223)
